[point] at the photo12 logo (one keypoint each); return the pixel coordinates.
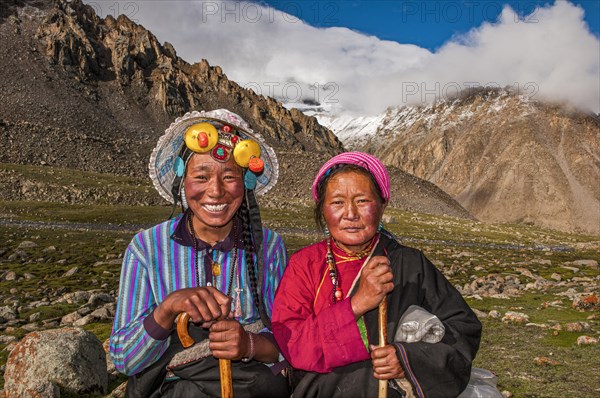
(321, 12)
(421, 92)
(115, 8)
(294, 92)
(465, 11)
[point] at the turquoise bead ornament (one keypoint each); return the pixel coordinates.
(179, 167)
(250, 180)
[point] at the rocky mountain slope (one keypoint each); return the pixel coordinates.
(94, 94)
(70, 77)
(502, 156)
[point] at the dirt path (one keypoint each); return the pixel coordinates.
(134, 228)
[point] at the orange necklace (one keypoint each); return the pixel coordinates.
(333, 272)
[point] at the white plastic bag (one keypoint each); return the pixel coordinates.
(417, 324)
(482, 384)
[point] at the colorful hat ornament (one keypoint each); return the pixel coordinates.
(221, 133)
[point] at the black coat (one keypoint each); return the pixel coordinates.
(434, 370)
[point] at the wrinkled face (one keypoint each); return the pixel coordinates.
(214, 191)
(352, 210)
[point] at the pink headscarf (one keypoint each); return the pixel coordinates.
(360, 159)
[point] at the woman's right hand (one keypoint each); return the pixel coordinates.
(203, 304)
(376, 280)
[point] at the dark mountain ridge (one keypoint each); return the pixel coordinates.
(94, 94)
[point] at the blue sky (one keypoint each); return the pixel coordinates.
(360, 57)
(426, 23)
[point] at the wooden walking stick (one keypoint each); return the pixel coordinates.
(383, 384)
(224, 364)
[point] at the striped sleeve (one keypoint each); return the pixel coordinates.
(275, 259)
(131, 347)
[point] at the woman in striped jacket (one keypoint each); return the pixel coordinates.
(214, 262)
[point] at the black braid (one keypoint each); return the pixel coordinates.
(249, 249)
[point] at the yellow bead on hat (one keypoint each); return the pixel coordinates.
(244, 151)
(201, 137)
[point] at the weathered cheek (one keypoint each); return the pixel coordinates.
(371, 211)
(331, 216)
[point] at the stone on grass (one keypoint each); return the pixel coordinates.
(71, 272)
(586, 263)
(586, 340)
(586, 302)
(545, 361)
(45, 362)
(70, 318)
(6, 339)
(10, 276)
(515, 317)
(577, 326)
(8, 313)
(97, 299)
(26, 244)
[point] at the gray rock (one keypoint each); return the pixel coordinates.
(102, 313)
(586, 263)
(74, 297)
(45, 362)
(6, 339)
(86, 320)
(10, 276)
(70, 318)
(71, 272)
(98, 299)
(8, 313)
(35, 316)
(30, 327)
(26, 244)
(515, 317)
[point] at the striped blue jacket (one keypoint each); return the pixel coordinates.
(155, 265)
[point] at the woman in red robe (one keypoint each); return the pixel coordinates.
(325, 310)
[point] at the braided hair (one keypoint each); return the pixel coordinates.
(249, 249)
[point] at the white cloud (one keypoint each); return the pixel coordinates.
(550, 53)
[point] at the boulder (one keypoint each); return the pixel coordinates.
(515, 317)
(47, 362)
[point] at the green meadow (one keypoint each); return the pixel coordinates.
(93, 238)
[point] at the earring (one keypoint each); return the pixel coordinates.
(380, 227)
(326, 231)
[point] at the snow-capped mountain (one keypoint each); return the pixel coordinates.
(503, 156)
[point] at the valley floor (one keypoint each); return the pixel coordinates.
(536, 291)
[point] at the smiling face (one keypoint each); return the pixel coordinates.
(352, 210)
(214, 191)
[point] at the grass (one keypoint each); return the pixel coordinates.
(77, 178)
(461, 248)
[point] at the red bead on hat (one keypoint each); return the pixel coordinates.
(256, 165)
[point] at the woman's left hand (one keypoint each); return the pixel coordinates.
(228, 340)
(386, 365)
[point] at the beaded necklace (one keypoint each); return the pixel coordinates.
(215, 267)
(333, 272)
